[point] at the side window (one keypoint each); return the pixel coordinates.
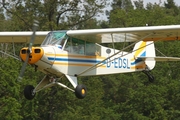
(90, 49)
(75, 46)
(68, 46)
(93, 49)
(98, 50)
(78, 46)
(82, 47)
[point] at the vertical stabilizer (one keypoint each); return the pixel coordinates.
(144, 49)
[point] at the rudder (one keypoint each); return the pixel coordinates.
(145, 49)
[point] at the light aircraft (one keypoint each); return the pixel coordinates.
(73, 53)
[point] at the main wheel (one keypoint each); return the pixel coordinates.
(28, 92)
(80, 91)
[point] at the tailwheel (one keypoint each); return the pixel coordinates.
(28, 92)
(150, 76)
(80, 91)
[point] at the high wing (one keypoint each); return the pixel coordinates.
(22, 37)
(130, 34)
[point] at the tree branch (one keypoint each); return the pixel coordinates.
(13, 13)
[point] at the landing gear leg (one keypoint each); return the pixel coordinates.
(150, 76)
(30, 91)
(49, 81)
(80, 90)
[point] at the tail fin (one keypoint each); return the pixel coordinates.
(145, 49)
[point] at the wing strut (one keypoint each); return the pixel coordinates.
(10, 55)
(72, 80)
(124, 43)
(96, 65)
(113, 42)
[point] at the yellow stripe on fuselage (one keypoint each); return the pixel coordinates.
(76, 56)
(140, 66)
(76, 64)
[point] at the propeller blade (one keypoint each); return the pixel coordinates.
(23, 68)
(35, 26)
(29, 51)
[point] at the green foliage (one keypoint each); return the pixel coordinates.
(120, 96)
(9, 104)
(51, 14)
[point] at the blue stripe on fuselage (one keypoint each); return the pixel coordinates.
(139, 59)
(73, 60)
(136, 61)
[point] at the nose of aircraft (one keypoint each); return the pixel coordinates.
(37, 53)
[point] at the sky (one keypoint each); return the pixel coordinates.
(157, 1)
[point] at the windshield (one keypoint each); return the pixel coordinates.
(55, 38)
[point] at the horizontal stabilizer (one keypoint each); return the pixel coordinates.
(159, 58)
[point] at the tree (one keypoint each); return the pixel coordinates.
(171, 7)
(139, 4)
(120, 96)
(52, 14)
(122, 4)
(9, 104)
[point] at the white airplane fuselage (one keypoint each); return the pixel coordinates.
(56, 61)
(60, 54)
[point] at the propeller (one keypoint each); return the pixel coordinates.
(29, 50)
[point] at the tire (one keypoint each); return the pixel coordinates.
(80, 91)
(28, 92)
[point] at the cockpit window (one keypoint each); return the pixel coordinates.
(77, 46)
(55, 38)
(72, 45)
